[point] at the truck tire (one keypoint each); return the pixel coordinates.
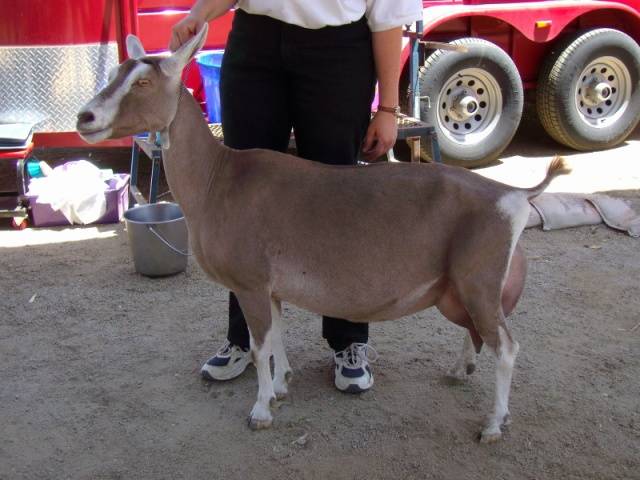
(589, 90)
(473, 99)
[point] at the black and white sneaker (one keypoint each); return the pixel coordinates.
(353, 373)
(228, 363)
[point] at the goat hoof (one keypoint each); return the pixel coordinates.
(260, 416)
(256, 423)
(280, 395)
(490, 436)
(471, 367)
(454, 377)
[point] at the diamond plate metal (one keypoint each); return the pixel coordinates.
(48, 85)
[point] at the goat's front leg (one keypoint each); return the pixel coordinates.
(256, 307)
(282, 371)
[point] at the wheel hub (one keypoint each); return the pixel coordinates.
(464, 107)
(597, 93)
(603, 91)
(470, 105)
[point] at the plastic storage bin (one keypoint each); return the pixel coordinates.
(117, 196)
(209, 64)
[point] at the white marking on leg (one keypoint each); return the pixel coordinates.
(466, 360)
(505, 359)
(514, 206)
(260, 416)
(282, 370)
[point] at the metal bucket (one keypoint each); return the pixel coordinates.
(158, 238)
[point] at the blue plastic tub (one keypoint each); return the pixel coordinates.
(209, 64)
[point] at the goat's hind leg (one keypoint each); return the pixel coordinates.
(482, 299)
(505, 352)
(257, 310)
(282, 371)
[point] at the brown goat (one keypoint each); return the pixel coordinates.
(403, 237)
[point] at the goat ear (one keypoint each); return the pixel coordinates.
(135, 49)
(174, 64)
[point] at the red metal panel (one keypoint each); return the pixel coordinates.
(155, 29)
(57, 22)
(526, 42)
(524, 15)
(527, 55)
(16, 154)
(150, 5)
(72, 139)
(491, 29)
(128, 24)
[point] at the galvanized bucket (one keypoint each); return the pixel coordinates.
(158, 238)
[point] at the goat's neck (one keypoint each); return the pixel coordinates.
(193, 156)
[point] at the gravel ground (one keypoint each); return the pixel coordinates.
(99, 373)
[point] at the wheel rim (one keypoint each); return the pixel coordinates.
(603, 92)
(469, 106)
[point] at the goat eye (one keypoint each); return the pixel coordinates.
(143, 82)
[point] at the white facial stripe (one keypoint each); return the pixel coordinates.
(105, 109)
(112, 73)
(111, 104)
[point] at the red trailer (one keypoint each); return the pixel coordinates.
(582, 58)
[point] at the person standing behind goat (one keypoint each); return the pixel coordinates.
(311, 66)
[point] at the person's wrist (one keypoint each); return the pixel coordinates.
(198, 14)
(395, 110)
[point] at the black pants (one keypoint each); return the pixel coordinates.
(276, 77)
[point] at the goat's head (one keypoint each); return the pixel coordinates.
(142, 94)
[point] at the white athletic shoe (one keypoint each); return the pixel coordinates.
(228, 363)
(353, 373)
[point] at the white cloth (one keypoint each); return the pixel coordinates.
(76, 189)
(381, 14)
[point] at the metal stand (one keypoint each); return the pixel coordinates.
(13, 204)
(154, 152)
(414, 131)
(411, 128)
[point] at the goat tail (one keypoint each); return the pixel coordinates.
(557, 167)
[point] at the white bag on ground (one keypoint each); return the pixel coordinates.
(76, 189)
(563, 210)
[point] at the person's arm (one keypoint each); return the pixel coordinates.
(201, 12)
(383, 129)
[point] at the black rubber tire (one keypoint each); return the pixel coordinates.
(558, 80)
(439, 67)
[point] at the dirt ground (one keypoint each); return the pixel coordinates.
(99, 372)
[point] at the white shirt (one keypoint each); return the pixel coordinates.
(381, 14)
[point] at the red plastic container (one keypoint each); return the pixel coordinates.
(117, 195)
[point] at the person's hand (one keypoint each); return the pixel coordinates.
(381, 136)
(184, 30)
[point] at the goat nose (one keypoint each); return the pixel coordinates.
(86, 117)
